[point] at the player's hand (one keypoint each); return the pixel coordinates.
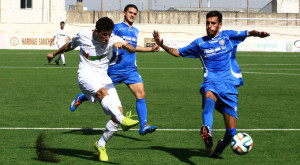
(50, 56)
(118, 45)
(263, 34)
(155, 48)
(157, 38)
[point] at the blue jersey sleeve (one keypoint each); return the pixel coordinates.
(190, 50)
(236, 37)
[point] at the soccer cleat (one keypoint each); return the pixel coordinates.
(102, 152)
(57, 62)
(128, 123)
(64, 64)
(147, 129)
(215, 155)
(75, 103)
(208, 139)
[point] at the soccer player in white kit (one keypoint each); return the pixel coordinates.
(96, 49)
(61, 34)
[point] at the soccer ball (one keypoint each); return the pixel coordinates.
(241, 143)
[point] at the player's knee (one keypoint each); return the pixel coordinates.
(101, 93)
(140, 94)
(210, 94)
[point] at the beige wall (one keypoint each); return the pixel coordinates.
(187, 32)
(287, 6)
(39, 13)
(165, 17)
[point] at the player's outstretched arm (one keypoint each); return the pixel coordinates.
(65, 48)
(160, 42)
(154, 48)
(255, 33)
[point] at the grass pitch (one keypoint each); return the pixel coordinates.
(35, 94)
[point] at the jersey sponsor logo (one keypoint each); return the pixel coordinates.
(86, 45)
(215, 51)
(130, 39)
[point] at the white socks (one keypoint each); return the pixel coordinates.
(111, 129)
(63, 58)
(111, 108)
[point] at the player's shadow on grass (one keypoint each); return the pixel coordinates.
(87, 155)
(99, 132)
(182, 154)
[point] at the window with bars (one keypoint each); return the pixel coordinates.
(26, 4)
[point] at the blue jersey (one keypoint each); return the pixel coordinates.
(218, 56)
(124, 61)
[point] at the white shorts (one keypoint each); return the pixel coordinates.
(90, 82)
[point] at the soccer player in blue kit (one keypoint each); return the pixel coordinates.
(123, 67)
(222, 75)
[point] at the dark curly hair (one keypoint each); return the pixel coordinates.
(105, 24)
(214, 14)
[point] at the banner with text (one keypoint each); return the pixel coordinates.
(250, 44)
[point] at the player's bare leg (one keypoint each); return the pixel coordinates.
(139, 92)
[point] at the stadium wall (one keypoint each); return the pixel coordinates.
(38, 36)
(188, 17)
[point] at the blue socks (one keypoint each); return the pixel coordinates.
(207, 114)
(142, 111)
(82, 98)
(227, 139)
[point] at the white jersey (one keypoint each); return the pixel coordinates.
(61, 36)
(94, 55)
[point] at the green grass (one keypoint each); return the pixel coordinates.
(35, 94)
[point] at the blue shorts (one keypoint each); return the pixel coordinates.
(131, 77)
(227, 96)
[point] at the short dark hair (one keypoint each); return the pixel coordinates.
(130, 5)
(104, 24)
(214, 14)
(62, 22)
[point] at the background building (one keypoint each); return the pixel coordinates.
(32, 11)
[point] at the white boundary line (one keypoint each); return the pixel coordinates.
(287, 74)
(175, 130)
